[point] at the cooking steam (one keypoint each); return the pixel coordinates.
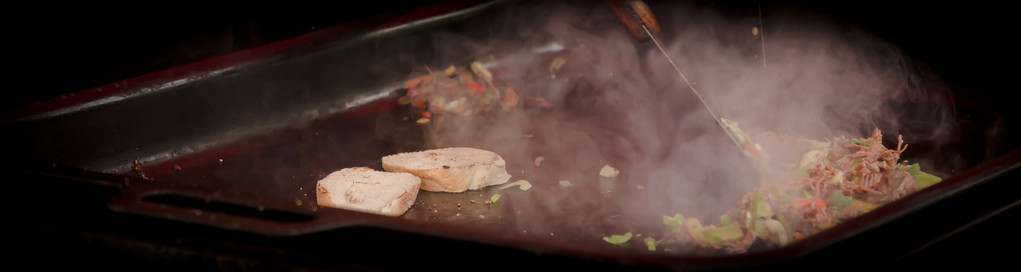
(618, 102)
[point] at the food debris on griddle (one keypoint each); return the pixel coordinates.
(139, 171)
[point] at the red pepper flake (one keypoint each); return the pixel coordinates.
(420, 104)
(415, 82)
(476, 87)
(427, 114)
(176, 167)
(802, 203)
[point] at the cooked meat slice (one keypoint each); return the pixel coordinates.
(367, 190)
(455, 169)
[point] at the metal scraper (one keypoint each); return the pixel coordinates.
(638, 18)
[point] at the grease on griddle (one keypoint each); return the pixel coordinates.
(139, 171)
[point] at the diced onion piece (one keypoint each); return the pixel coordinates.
(810, 158)
(838, 178)
(556, 64)
(524, 185)
(777, 230)
(422, 121)
(450, 71)
(609, 171)
(481, 71)
(509, 99)
(566, 184)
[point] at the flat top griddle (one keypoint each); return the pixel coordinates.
(250, 140)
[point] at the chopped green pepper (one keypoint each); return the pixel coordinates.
(759, 208)
(855, 162)
(863, 205)
(650, 244)
(695, 228)
(753, 215)
(618, 239)
(494, 198)
(673, 222)
(763, 209)
(725, 233)
(725, 219)
(838, 199)
(922, 179)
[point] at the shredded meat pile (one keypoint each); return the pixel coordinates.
(834, 181)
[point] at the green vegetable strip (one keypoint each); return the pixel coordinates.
(838, 199)
(695, 228)
(725, 219)
(750, 222)
(618, 239)
(855, 162)
(650, 244)
(922, 179)
(726, 233)
(859, 142)
(673, 222)
(758, 209)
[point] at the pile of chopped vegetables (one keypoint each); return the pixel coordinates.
(834, 181)
(458, 90)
